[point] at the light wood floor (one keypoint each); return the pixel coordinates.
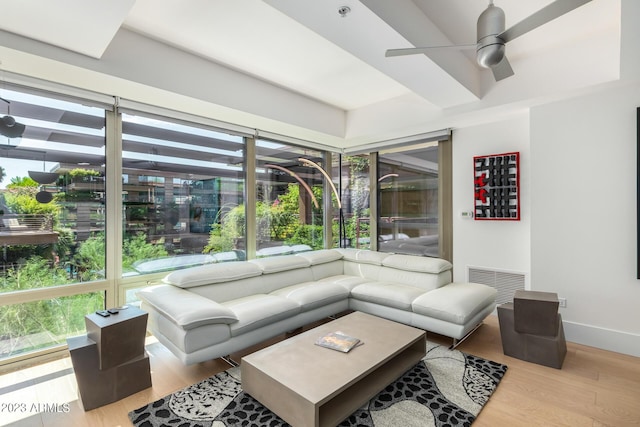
(593, 388)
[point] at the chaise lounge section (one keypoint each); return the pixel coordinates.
(211, 311)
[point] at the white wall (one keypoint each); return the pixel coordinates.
(577, 233)
(583, 228)
(577, 236)
(498, 245)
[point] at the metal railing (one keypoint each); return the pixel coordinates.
(24, 222)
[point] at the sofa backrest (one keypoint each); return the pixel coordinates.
(423, 272)
(363, 263)
(282, 271)
(324, 263)
(220, 282)
(227, 281)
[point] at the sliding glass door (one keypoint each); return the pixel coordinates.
(408, 187)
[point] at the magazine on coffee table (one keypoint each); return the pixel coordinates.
(338, 341)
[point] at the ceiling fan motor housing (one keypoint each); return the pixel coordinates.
(490, 48)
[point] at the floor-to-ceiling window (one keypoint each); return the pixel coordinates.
(98, 201)
(182, 196)
(408, 217)
(351, 177)
(52, 218)
(289, 199)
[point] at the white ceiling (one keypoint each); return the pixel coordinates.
(307, 47)
(252, 36)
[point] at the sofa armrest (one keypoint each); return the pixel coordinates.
(184, 308)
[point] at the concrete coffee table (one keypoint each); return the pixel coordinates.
(308, 385)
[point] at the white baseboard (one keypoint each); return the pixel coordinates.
(606, 339)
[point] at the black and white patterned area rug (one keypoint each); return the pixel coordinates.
(447, 388)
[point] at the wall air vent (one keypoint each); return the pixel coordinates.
(507, 283)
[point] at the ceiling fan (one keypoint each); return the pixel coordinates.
(492, 36)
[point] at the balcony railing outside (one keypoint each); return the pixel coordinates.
(22, 222)
(27, 229)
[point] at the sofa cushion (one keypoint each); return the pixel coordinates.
(212, 273)
(417, 264)
(328, 269)
(281, 279)
(370, 272)
(186, 309)
(345, 280)
(310, 295)
(281, 263)
(321, 257)
(258, 310)
(424, 281)
(187, 340)
(455, 302)
(387, 293)
(362, 256)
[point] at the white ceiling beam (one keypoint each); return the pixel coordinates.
(410, 22)
(85, 27)
(367, 35)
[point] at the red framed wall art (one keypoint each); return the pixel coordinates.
(497, 187)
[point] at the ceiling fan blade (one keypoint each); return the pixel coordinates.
(502, 70)
(548, 13)
(417, 50)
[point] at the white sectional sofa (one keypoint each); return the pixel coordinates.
(211, 311)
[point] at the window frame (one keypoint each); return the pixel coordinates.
(107, 286)
(114, 286)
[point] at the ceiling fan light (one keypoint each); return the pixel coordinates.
(491, 55)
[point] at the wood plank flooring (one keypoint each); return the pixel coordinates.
(594, 388)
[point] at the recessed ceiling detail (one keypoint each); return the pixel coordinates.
(328, 56)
